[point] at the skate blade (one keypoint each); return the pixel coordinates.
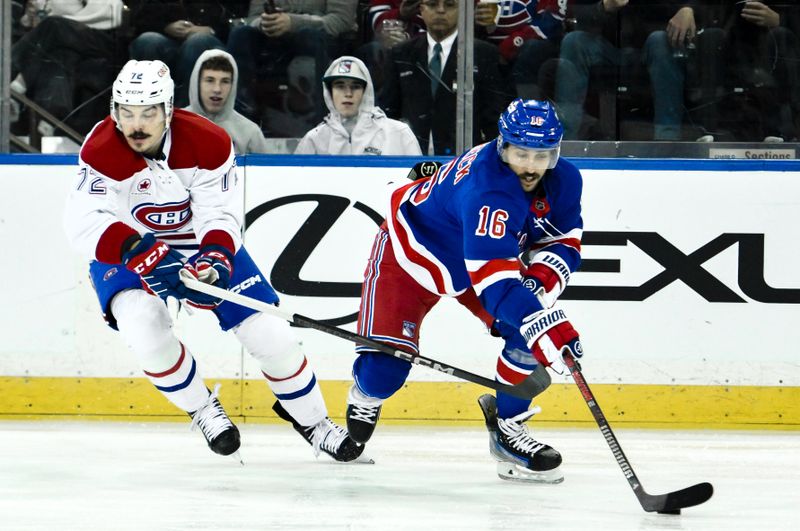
(514, 472)
(360, 460)
(236, 456)
(363, 460)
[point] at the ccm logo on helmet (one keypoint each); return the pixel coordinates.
(166, 217)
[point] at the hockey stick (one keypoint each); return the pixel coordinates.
(669, 503)
(523, 390)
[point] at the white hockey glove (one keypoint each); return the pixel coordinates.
(547, 333)
(545, 274)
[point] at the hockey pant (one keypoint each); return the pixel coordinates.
(146, 327)
(393, 306)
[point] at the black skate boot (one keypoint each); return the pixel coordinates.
(519, 456)
(325, 436)
(220, 433)
(363, 413)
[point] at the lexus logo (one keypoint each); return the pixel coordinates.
(677, 265)
(285, 275)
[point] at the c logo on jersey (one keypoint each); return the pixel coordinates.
(166, 217)
(110, 273)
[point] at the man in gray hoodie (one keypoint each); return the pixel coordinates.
(212, 93)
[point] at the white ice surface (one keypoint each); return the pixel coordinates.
(109, 476)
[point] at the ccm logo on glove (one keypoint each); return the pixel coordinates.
(144, 263)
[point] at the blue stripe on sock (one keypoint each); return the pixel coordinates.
(297, 394)
(182, 385)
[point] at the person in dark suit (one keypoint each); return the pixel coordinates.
(420, 84)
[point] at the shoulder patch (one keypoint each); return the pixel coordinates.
(197, 142)
(106, 151)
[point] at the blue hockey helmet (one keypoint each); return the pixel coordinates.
(531, 124)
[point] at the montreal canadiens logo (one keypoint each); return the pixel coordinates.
(165, 217)
(110, 273)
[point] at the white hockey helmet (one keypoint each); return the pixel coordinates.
(143, 83)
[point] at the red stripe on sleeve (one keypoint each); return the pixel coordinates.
(219, 237)
(109, 247)
(493, 266)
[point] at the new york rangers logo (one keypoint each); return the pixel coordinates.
(164, 217)
(409, 329)
(345, 67)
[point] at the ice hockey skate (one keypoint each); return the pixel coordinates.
(220, 433)
(363, 413)
(519, 456)
(325, 436)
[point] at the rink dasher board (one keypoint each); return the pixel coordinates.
(674, 342)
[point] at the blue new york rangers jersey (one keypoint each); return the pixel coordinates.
(466, 225)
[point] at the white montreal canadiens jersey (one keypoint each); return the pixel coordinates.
(192, 192)
(466, 225)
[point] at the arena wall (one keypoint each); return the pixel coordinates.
(687, 300)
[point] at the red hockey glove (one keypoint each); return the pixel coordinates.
(546, 275)
(214, 265)
(547, 333)
(158, 266)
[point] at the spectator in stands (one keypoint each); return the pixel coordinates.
(528, 34)
(760, 55)
(355, 126)
(420, 82)
(46, 62)
(390, 22)
(625, 33)
(212, 92)
(178, 32)
(288, 43)
(404, 11)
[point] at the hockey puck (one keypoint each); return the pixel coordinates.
(676, 511)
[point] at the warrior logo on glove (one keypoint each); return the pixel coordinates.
(547, 333)
(542, 323)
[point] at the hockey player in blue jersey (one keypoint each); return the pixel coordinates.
(499, 228)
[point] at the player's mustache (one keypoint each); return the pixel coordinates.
(138, 135)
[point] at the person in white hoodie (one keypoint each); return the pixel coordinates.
(212, 93)
(355, 125)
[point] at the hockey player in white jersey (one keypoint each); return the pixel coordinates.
(157, 195)
(501, 222)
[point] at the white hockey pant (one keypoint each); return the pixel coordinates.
(272, 342)
(146, 327)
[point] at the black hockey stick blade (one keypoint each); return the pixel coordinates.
(669, 503)
(525, 390)
(673, 502)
